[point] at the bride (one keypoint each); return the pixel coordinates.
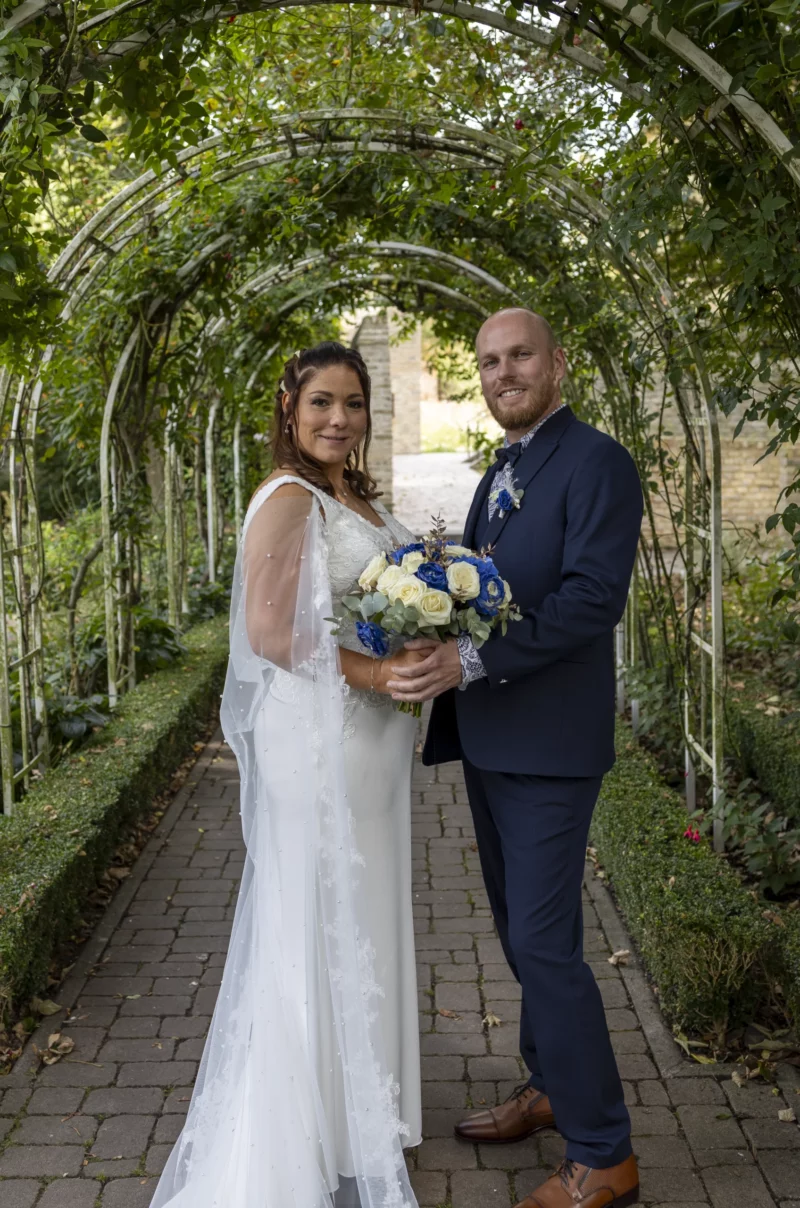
(309, 1085)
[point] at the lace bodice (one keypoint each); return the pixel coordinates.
(351, 542)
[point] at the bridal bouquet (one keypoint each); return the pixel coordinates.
(432, 589)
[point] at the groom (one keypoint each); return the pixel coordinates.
(531, 716)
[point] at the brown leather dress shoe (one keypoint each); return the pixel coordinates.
(577, 1186)
(523, 1113)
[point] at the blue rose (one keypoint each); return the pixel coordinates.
(433, 575)
(484, 566)
(491, 596)
(373, 637)
(397, 555)
(505, 501)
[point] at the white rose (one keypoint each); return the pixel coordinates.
(457, 551)
(412, 561)
(435, 607)
(463, 580)
(388, 580)
(409, 590)
(371, 573)
(507, 596)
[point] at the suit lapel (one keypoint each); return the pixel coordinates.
(539, 451)
(479, 501)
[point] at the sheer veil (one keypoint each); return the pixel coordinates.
(297, 1002)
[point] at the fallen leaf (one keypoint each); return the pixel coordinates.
(737, 1079)
(491, 1020)
(620, 957)
(787, 1116)
(44, 1006)
(448, 1014)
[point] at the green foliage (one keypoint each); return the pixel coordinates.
(767, 745)
(703, 938)
(61, 837)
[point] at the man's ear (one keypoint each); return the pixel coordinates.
(560, 364)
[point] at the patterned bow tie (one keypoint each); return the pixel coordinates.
(508, 455)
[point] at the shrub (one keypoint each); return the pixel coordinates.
(768, 749)
(700, 932)
(62, 835)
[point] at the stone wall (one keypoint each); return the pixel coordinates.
(371, 338)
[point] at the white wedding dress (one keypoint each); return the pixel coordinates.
(309, 1085)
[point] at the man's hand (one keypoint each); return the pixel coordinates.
(430, 677)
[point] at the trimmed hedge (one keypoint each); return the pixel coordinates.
(768, 750)
(785, 964)
(63, 834)
(701, 933)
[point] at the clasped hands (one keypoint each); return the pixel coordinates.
(433, 668)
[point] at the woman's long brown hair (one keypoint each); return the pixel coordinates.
(286, 453)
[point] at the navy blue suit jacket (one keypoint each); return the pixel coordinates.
(546, 706)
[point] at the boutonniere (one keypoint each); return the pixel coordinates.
(507, 499)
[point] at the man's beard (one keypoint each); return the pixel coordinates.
(541, 396)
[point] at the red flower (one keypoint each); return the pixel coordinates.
(696, 837)
(687, 834)
(519, 124)
(231, 20)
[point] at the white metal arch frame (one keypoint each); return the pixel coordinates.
(459, 144)
(643, 16)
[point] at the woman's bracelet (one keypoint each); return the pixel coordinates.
(372, 675)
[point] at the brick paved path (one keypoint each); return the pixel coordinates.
(95, 1129)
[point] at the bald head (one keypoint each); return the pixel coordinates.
(521, 365)
(523, 316)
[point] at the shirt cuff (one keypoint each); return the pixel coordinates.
(472, 667)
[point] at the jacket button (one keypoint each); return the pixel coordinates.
(503, 681)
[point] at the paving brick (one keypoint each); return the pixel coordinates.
(480, 1189)
(653, 1122)
(55, 1102)
(753, 1100)
(71, 1193)
(457, 996)
(138, 1050)
(446, 1154)
(482, 1068)
(41, 1161)
(430, 1188)
(664, 1185)
(168, 1129)
(14, 1100)
(114, 1101)
(122, 1137)
(782, 1172)
(72, 1073)
(129, 1193)
(668, 1152)
(155, 1073)
(635, 1066)
(19, 1193)
(511, 1157)
(708, 1127)
(771, 1134)
(652, 1093)
(173, 1005)
(55, 1130)
(157, 1158)
(694, 1090)
(732, 1188)
(136, 1028)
